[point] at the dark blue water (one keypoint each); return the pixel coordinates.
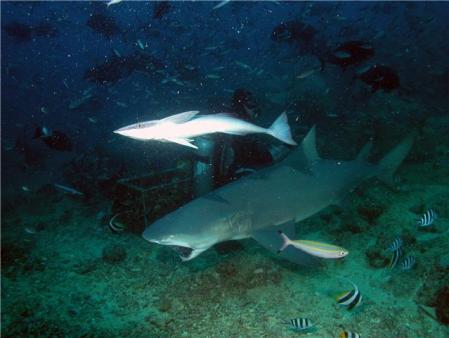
(358, 71)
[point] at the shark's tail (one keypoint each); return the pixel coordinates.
(389, 164)
(281, 130)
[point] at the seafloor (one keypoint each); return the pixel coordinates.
(64, 274)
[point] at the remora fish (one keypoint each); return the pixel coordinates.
(260, 204)
(180, 128)
(113, 2)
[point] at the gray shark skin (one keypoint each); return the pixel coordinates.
(272, 199)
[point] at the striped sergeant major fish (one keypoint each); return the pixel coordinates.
(299, 324)
(396, 244)
(396, 256)
(427, 218)
(408, 263)
(349, 334)
(351, 299)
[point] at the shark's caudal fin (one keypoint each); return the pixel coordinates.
(281, 130)
(389, 164)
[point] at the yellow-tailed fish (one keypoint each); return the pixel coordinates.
(318, 249)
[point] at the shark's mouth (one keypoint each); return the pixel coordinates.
(183, 251)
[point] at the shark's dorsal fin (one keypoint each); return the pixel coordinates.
(364, 152)
(305, 156)
(308, 146)
(181, 117)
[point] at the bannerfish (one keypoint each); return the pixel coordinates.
(427, 218)
(397, 244)
(408, 263)
(299, 324)
(317, 249)
(351, 299)
(181, 128)
(349, 334)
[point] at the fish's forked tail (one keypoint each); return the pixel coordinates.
(390, 163)
(285, 241)
(281, 130)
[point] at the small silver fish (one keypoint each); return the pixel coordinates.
(113, 2)
(68, 190)
(408, 263)
(299, 324)
(397, 244)
(427, 218)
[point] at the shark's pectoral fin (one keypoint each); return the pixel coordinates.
(269, 238)
(182, 141)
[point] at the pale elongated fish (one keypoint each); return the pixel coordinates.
(317, 249)
(181, 128)
(272, 199)
(113, 2)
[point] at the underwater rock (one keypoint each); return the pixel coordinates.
(376, 258)
(228, 247)
(114, 254)
(86, 267)
(370, 214)
(12, 253)
(442, 305)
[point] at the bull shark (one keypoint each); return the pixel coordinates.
(272, 199)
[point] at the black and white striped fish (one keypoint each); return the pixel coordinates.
(349, 334)
(114, 226)
(397, 244)
(408, 263)
(427, 218)
(351, 299)
(299, 324)
(396, 256)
